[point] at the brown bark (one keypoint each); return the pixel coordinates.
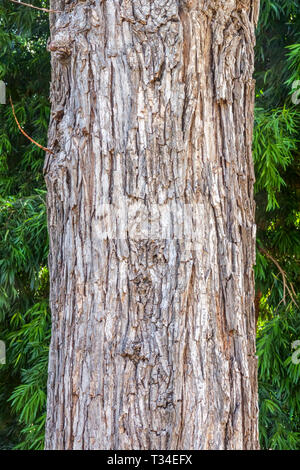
(153, 341)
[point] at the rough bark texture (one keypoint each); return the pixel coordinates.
(153, 342)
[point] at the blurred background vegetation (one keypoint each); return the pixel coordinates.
(24, 281)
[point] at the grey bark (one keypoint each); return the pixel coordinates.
(153, 340)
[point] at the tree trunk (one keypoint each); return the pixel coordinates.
(151, 223)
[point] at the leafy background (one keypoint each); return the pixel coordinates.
(24, 279)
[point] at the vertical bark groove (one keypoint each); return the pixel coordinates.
(153, 342)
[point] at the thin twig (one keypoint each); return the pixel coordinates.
(24, 133)
(284, 278)
(36, 8)
(292, 287)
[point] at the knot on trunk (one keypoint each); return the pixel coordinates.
(61, 45)
(132, 350)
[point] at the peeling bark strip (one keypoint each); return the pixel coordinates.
(153, 344)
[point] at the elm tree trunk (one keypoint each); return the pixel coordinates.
(151, 223)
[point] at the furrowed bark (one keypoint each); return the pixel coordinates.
(153, 339)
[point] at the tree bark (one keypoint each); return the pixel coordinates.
(151, 224)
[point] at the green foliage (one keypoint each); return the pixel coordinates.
(27, 339)
(279, 28)
(24, 312)
(273, 146)
(24, 280)
(294, 62)
(276, 156)
(279, 378)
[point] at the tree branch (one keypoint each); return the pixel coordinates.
(24, 133)
(286, 287)
(36, 8)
